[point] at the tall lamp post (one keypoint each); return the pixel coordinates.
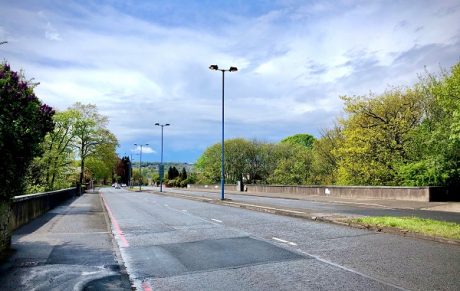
(131, 171)
(140, 163)
(161, 170)
(231, 69)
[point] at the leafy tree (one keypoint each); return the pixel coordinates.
(57, 160)
(252, 160)
(102, 162)
(24, 122)
(434, 156)
(325, 157)
(183, 174)
(90, 131)
(303, 139)
(208, 164)
(261, 160)
(294, 168)
(123, 169)
(173, 173)
(375, 135)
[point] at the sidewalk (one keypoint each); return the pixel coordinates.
(68, 248)
(381, 203)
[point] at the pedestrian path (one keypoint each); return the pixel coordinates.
(68, 248)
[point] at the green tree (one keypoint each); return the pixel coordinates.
(303, 139)
(90, 131)
(294, 166)
(173, 173)
(375, 135)
(102, 163)
(208, 165)
(325, 157)
(261, 160)
(183, 174)
(58, 157)
(24, 122)
(434, 154)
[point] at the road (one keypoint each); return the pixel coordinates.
(169, 243)
(338, 208)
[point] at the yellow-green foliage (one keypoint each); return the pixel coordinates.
(376, 132)
(414, 224)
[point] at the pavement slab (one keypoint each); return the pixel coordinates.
(68, 248)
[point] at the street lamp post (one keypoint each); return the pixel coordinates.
(140, 163)
(131, 182)
(231, 69)
(161, 170)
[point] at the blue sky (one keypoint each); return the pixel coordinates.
(143, 62)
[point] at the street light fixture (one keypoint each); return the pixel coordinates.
(231, 69)
(161, 169)
(140, 163)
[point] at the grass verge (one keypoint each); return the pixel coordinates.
(423, 226)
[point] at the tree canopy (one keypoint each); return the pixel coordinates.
(24, 122)
(404, 136)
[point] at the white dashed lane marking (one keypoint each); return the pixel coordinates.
(216, 220)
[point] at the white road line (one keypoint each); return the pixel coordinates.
(285, 241)
(352, 271)
(216, 220)
(183, 210)
(280, 240)
(265, 207)
(166, 205)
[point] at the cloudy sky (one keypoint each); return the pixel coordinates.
(143, 62)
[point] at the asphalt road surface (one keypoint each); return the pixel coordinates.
(169, 243)
(329, 207)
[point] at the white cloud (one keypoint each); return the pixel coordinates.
(51, 33)
(294, 61)
(145, 150)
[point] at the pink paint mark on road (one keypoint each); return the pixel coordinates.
(124, 242)
(146, 286)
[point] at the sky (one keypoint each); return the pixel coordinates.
(143, 62)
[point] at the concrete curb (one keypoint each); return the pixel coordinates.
(338, 220)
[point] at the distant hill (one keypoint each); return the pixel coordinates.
(154, 166)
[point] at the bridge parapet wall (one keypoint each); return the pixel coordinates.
(27, 207)
(425, 194)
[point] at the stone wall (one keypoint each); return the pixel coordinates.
(22, 209)
(356, 192)
(229, 187)
(27, 207)
(425, 194)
